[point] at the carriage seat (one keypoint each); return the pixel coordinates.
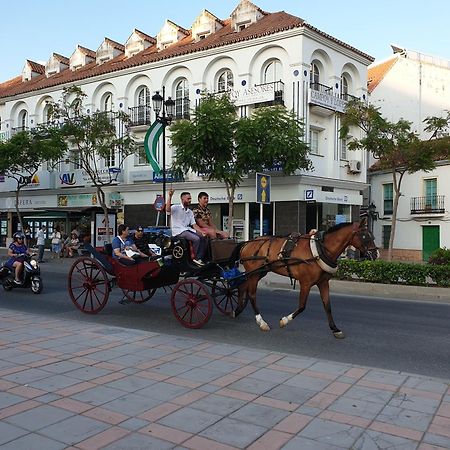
(107, 249)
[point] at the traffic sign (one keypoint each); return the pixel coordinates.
(262, 188)
(159, 203)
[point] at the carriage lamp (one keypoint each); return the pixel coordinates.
(164, 110)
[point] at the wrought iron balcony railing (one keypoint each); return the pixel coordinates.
(321, 88)
(140, 115)
(431, 204)
(347, 97)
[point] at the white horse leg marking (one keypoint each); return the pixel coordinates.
(285, 320)
(263, 325)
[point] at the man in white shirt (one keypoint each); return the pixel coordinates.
(183, 224)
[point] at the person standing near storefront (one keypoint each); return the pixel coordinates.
(40, 242)
(56, 243)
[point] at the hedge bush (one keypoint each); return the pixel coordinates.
(394, 273)
(440, 256)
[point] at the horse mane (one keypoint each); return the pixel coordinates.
(338, 227)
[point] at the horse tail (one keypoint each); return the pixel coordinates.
(235, 256)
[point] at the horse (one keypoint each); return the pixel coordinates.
(311, 259)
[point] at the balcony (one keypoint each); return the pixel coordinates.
(348, 97)
(429, 205)
(139, 115)
(15, 130)
(324, 100)
(4, 135)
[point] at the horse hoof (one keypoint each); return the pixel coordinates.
(264, 327)
(339, 334)
(283, 323)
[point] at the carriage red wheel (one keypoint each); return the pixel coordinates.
(225, 298)
(139, 296)
(191, 303)
(88, 285)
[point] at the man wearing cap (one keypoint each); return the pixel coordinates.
(141, 242)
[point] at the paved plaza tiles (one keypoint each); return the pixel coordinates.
(74, 385)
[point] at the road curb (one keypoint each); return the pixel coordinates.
(393, 291)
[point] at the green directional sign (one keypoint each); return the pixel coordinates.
(151, 144)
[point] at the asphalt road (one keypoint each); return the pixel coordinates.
(385, 333)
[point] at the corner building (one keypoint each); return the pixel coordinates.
(262, 58)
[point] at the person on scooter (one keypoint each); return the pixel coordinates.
(16, 250)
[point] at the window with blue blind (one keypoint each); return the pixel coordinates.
(430, 186)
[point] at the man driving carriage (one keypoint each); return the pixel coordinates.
(183, 224)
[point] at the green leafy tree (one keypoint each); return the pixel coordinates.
(396, 147)
(24, 153)
(93, 138)
(222, 147)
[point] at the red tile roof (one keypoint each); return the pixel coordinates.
(144, 36)
(115, 44)
(86, 51)
(36, 67)
(61, 58)
(377, 72)
(270, 24)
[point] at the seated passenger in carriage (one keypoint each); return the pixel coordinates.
(141, 241)
(124, 250)
(183, 224)
(203, 218)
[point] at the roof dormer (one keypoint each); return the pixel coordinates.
(32, 69)
(205, 24)
(137, 42)
(108, 50)
(245, 14)
(169, 34)
(56, 64)
(80, 57)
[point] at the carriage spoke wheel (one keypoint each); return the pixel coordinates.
(191, 303)
(225, 298)
(139, 296)
(88, 285)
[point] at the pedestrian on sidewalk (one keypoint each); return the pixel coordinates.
(56, 242)
(40, 242)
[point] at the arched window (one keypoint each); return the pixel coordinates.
(107, 102)
(226, 81)
(182, 100)
(144, 97)
(272, 72)
(143, 106)
(344, 87)
(23, 120)
(314, 75)
(46, 115)
(76, 108)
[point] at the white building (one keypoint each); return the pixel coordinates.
(412, 86)
(264, 58)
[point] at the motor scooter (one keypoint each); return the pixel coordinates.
(31, 275)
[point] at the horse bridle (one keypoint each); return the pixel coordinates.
(366, 237)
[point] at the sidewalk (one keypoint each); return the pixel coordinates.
(76, 385)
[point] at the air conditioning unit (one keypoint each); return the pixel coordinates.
(354, 166)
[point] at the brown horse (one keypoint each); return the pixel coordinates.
(311, 259)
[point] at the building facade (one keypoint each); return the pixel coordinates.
(412, 86)
(260, 58)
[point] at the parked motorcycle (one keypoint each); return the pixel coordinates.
(31, 275)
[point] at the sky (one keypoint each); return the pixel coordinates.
(32, 29)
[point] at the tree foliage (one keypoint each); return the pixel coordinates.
(24, 153)
(93, 138)
(222, 147)
(395, 145)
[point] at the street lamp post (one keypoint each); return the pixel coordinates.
(164, 110)
(373, 214)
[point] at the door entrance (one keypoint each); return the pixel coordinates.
(430, 241)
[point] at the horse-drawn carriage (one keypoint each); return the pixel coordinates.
(193, 288)
(310, 258)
